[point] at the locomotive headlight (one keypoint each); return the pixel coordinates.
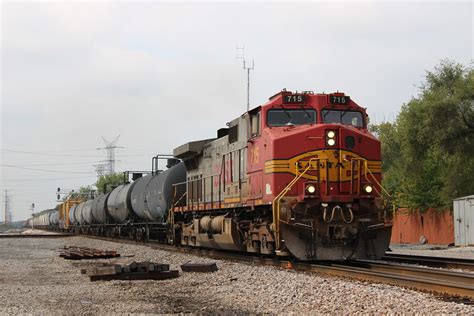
(310, 189)
(330, 138)
(368, 188)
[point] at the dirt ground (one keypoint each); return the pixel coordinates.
(35, 280)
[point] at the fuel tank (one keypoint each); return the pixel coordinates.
(160, 191)
(87, 212)
(72, 210)
(118, 203)
(99, 207)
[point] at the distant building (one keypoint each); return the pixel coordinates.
(464, 221)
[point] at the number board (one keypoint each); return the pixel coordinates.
(338, 99)
(294, 99)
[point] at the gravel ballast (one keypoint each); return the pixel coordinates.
(34, 279)
(433, 250)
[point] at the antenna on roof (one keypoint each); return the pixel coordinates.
(241, 55)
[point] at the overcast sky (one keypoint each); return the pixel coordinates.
(162, 74)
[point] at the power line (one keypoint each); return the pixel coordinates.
(57, 164)
(47, 179)
(43, 170)
(44, 153)
(65, 155)
(68, 150)
(58, 151)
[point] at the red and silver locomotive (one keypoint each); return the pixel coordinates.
(298, 176)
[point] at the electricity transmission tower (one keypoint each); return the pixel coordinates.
(100, 169)
(109, 166)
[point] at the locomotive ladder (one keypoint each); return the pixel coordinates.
(276, 201)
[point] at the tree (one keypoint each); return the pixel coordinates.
(106, 183)
(84, 192)
(428, 152)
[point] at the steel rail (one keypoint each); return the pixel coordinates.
(441, 282)
(447, 275)
(394, 277)
(438, 262)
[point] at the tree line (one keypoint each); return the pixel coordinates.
(428, 151)
(104, 184)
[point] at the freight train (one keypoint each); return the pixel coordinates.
(298, 176)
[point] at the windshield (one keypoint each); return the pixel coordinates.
(283, 117)
(343, 117)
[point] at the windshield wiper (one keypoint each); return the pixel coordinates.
(286, 112)
(305, 111)
(324, 115)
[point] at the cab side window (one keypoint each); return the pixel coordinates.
(255, 125)
(234, 134)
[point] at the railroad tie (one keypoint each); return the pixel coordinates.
(78, 253)
(132, 271)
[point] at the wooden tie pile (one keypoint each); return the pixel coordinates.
(131, 271)
(78, 253)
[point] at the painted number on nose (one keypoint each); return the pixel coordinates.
(337, 99)
(254, 155)
(294, 99)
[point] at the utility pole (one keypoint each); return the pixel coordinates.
(247, 68)
(110, 161)
(6, 207)
(7, 216)
(32, 216)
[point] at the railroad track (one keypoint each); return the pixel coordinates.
(34, 235)
(456, 286)
(436, 262)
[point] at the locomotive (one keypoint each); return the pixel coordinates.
(298, 176)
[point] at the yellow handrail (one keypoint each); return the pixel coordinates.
(276, 201)
(375, 179)
(365, 161)
(367, 170)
